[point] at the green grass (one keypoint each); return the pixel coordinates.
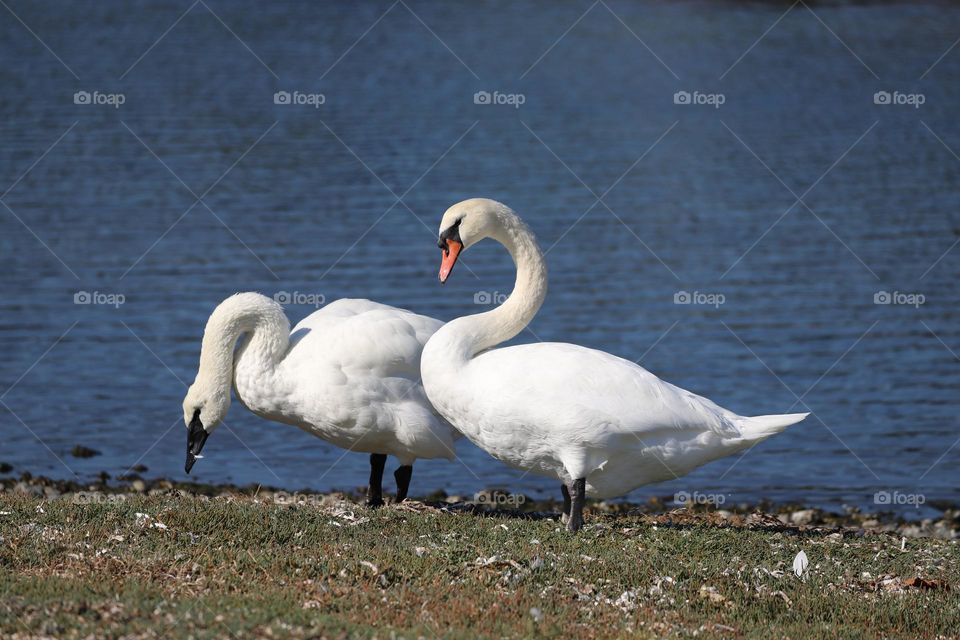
(239, 568)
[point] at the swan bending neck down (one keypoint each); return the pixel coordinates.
(349, 373)
(601, 425)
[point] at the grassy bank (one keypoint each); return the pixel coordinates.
(237, 566)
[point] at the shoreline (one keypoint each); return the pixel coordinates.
(209, 561)
(499, 503)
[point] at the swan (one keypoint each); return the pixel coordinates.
(600, 424)
(349, 373)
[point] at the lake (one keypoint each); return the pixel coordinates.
(756, 201)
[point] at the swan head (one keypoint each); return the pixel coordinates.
(465, 224)
(204, 407)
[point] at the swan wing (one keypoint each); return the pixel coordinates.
(581, 390)
(364, 338)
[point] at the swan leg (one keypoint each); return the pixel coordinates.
(403, 475)
(375, 488)
(578, 494)
(565, 516)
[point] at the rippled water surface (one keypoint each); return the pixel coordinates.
(794, 202)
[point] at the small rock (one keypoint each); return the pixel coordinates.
(944, 531)
(711, 594)
(80, 451)
(804, 516)
(913, 531)
(139, 468)
(139, 486)
(32, 489)
(627, 600)
(5, 467)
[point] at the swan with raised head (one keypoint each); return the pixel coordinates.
(349, 374)
(601, 425)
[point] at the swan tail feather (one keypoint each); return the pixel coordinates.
(756, 428)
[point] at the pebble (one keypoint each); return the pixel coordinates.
(32, 489)
(804, 516)
(80, 451)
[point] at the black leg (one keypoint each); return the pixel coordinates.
(565, 516)
(578, 494)
(375, 489)
(403, 475)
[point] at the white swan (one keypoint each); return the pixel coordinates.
(349, 373)
(600, 424)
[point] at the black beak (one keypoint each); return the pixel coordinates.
(196, 438)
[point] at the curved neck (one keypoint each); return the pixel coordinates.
(267, 332)
(476, 333)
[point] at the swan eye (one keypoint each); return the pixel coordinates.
(450, 233)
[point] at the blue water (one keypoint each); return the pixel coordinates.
(303, 199)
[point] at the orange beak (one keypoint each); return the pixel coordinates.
(450, 254)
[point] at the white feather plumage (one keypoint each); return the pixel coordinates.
(562, 410)
(348, 373)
